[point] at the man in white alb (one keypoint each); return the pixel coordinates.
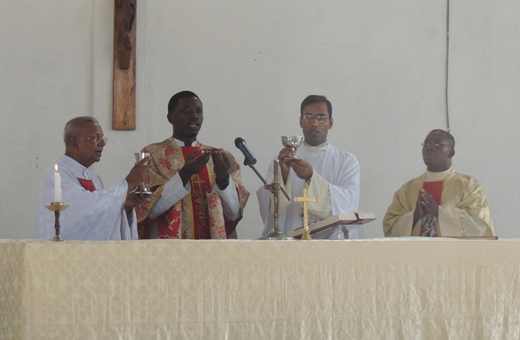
(94, 212)
(330, 174)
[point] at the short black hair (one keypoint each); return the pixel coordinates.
(448, 136)
(172, 104)
(315, 99)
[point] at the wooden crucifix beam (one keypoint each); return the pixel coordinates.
(123, 113)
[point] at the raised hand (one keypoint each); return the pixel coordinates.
(221, 166)
(284, 162)
(137, 174)
(302, 168)
(194, 163)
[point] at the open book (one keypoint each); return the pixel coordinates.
(350, 220)
(473, 237)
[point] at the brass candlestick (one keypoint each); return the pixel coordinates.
(275, 187)
(57, 207)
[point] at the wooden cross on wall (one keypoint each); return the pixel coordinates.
(123, 113)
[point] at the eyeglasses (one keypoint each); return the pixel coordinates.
(97, 139)
(310, 117)
(436, 144)
(190, 112)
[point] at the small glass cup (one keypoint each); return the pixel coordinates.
(142, 189)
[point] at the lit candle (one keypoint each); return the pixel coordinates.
(57, 184)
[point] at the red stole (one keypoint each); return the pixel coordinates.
(198, 206)
(434, 189)
(87, 184)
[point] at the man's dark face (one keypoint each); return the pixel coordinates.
(187, 119)
(437, 151)
(316, 123)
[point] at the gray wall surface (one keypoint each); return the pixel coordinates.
(381, 63)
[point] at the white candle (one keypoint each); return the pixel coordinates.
(57, 184)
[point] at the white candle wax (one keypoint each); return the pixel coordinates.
(57, 185)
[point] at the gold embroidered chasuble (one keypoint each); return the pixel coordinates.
(199, 209)
(464, 210)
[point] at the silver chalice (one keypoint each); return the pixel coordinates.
(142, 189)
(292, 142)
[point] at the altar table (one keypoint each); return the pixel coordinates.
(412, 288)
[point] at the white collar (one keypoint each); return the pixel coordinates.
(318, 148)
(181, 143)
(437, 176)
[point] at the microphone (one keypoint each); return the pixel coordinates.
(241, 144)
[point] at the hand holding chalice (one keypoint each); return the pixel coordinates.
(292, 142)
(142, 189)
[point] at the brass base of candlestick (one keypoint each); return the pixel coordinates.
(57, 207)
(277, 236)
(306, 235)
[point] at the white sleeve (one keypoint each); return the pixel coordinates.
(172, 193)
(93, 215)
(230, 201)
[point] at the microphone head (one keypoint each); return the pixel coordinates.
(238, 141)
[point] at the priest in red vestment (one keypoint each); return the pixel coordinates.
(197, 190)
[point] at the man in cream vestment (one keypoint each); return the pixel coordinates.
(454, 203)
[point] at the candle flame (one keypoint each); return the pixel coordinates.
(56, 167)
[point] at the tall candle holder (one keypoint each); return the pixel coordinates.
(57, 207)
(276, 188)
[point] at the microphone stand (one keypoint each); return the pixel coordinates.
(275, 189)
(268, 186)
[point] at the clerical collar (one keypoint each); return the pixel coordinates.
(437, 176)
(318, 148)
(78, 166)
(181, 143)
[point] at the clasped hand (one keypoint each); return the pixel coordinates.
(425, 203)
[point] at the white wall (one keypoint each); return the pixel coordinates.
(382, 64)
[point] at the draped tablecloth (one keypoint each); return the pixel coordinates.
(412, 288)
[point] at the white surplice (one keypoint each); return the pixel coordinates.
(97, 215)
(335, 183)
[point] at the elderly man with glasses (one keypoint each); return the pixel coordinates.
(330, 174)
(440, 202)
(94, 212)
